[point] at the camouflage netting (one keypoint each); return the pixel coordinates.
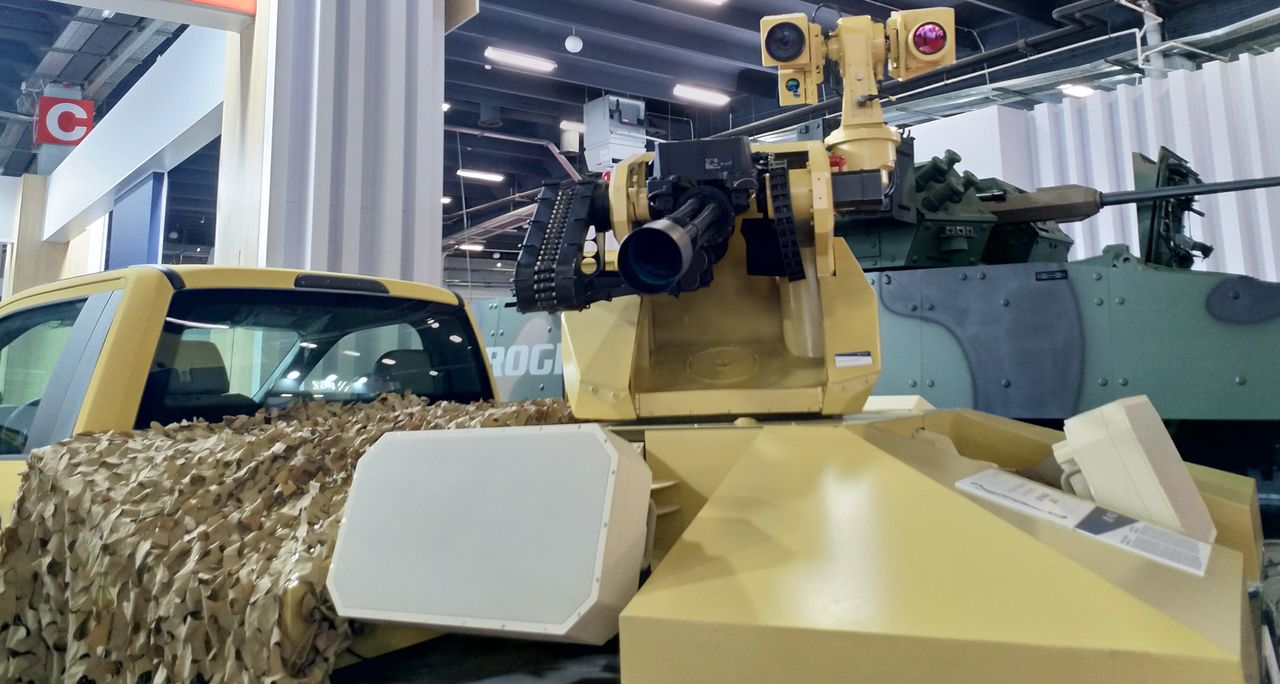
(161, 555)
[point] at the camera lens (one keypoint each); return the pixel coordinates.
(784, 42)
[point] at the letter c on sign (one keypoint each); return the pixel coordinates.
(62, 121)
(67, 121)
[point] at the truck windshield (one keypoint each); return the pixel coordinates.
(230, 352)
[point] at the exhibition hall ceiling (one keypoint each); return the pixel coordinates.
(645, 48)
(640, 48)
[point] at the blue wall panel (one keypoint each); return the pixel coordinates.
(137, 224)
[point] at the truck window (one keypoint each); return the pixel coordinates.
(30, 343)
(232, 352)
(346, 367)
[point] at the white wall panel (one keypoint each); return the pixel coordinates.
(339, 169)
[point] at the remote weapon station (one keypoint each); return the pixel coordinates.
(727, 348)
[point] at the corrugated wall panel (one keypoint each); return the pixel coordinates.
(1221, 118)
(351, 171)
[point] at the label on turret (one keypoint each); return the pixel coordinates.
(850, 359)
(1051, 275)
(1164, 546)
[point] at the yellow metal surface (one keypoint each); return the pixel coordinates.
(628, 201)
(457, 12)
(798, 78)
(863, 49)
(863, 139)
(598, 349)
(775, 343)
(905, 60)
(1233, 504)
(830, 552)
(111, 401)
(10, 481)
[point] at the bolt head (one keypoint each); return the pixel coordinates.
(1119, 300)
(912, 383)
(1240, 380)
(1004, 302)
(1124, 382)
(1005, 383)
(1097, 276)
(1102, 382)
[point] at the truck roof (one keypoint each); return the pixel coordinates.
(209, 277)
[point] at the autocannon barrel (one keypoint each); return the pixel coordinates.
(655, 256)
(1134, 196)
(1067, 203)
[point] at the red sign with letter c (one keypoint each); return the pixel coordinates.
(62, 121)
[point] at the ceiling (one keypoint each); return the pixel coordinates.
(641, 48)
(644, 47)
(52, 42)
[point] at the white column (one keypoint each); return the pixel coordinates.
(331, 155)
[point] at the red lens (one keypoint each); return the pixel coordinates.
(929, 38)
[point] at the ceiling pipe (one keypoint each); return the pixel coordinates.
(1075, 16)
(551, 147)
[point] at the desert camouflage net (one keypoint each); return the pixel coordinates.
(161, 555)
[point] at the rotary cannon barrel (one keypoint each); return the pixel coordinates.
(654, 257)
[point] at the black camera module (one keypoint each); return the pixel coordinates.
(784, 42)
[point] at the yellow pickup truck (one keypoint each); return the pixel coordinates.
(123, 349)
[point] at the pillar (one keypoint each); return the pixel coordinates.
(35, 262)
(331, 154)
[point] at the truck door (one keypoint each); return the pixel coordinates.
(47, 356)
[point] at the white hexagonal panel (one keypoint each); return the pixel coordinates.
(536, 532)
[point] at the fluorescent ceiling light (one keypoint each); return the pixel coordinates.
(349, 352)
(446, 200)
(519, 60)
(294, 375)
(444, 106)
(712, 2)
(471, 247)
(1076, 90)
(575, 126)
(703, 95)
(481, 175)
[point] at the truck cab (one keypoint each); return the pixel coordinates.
(123, 349)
